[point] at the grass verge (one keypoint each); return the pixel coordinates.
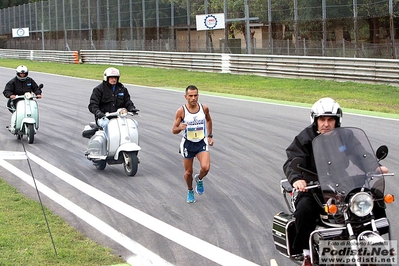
(350, 95)
(25, 239)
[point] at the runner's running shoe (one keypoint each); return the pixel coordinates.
(190, 196)
(200, 185)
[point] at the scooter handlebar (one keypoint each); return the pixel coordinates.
(118, 112)
(28, 95)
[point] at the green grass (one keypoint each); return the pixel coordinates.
(24, 239)
(350, 95)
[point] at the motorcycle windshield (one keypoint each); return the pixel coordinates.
(345, 161)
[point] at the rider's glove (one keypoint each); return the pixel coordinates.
(133, 110)
(99, 114)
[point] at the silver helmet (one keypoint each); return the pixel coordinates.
(22, 69)
(111, 72)
(326, 107)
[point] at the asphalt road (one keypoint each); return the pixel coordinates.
(145, 218)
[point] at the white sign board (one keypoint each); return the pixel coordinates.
(20, 32)
(210, 21)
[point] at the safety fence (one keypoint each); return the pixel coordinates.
(366, 70)
(41, 55)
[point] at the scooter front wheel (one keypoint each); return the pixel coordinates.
(100, 165)
(130, 162)
(30, 132)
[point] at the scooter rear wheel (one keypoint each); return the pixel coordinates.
(130, 163)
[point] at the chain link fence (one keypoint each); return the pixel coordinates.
(341, 28)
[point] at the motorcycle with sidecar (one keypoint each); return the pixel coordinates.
(353, 201)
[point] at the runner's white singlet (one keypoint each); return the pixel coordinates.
(196, 124)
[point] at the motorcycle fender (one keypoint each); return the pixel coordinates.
(28, 120)
(126, 147)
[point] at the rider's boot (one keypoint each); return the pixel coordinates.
(11, 129)
(306, 261)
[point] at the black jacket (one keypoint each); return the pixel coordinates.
(103, 99)
(18, 87)
(301, 147)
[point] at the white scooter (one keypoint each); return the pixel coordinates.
(25, 118)
(122, 145)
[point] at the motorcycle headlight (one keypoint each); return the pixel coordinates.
(361, 204)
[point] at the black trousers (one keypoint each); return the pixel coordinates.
(306, 215)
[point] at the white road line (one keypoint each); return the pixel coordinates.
(186, 240)
(141, 255)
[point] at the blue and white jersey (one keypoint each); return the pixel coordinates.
(196, 124)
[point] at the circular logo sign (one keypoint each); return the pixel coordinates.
(20, 32)
(210, 21)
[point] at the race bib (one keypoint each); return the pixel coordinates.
(195, 133)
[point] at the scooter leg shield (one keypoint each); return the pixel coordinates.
(35, 113)
(97, 145)
(19, 114)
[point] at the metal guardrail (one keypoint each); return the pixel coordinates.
(69, 57)
(371, 70)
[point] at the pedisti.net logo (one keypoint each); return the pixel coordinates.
(347, 252)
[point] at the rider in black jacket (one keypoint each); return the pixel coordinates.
(326, 114)
(109, 96)
(18, 85)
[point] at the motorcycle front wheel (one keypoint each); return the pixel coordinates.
(30, 132)
(130, 162)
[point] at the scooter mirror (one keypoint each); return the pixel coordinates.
(382, 152)
(41, 86)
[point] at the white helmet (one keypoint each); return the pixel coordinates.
(22, 69)
(111, 72)
(326, 107)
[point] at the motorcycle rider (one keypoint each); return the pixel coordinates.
(325, 115)
(19, 85)
(109, 96)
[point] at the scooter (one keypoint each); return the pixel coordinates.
(353, 222)
(121, 146)
(25, 117)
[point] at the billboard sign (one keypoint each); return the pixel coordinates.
(210, 21)
(20, 32)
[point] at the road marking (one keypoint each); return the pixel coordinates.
(273, 262)
(12, 155)
(186, 240)
(141, 255)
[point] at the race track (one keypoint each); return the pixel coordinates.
(145, 218)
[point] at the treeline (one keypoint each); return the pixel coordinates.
(11, 3)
